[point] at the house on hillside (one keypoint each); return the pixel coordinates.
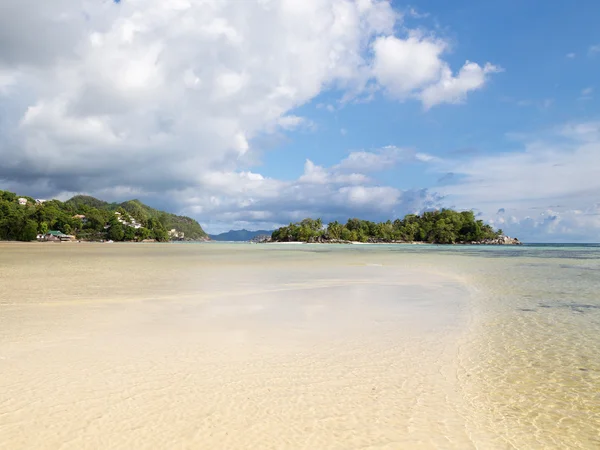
(23, 201)
(80, 217)
(128, 223)
(57, 236)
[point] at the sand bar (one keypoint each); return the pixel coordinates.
(200, 346)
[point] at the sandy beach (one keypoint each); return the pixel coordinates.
(314, 346)
(201, 346)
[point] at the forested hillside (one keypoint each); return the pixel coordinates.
(23, 218)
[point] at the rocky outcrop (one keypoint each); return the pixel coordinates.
(500, 240)
(260, 239)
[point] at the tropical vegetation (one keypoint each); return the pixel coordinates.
(89, 219)
(444, 226)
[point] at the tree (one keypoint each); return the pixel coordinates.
(441, 227)
(29, 231)
(347, 235)
(442, 232)
(115, 231)
(129, 234)
(334, 230)
(143, 233)
(43, 228)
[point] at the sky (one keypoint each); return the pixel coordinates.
(251, 114)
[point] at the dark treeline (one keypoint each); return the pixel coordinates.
(23, 222)
(439, 227)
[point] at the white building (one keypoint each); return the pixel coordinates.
(132, 223)
(22, 201)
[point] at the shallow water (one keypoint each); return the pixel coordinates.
(530, 364)
(311, 346)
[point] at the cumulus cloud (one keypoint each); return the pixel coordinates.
(546, 192)
(381, 159)
(413, 67)
(454, 89)
(332, 193)
(165, 100)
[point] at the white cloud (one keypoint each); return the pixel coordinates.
(332, 193)
(381, 159)
(581, 131)
(291, 122)
(413, 12)
(404, 66)
(553, 181)
(315, 174)
(594, 49)
(413, 67)
(454, 89)
(571, 55)
(553, 226)
(164, 99)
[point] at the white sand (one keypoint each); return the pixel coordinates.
(226, 346)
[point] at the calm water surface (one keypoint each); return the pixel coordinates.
(531, 367)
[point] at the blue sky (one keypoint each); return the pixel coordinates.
(539, 88)
(255, 114)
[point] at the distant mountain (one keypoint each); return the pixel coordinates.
(239, 235)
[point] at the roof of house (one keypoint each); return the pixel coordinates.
(56, 233)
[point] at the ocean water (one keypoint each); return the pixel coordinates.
(530, 365)
(533, 372)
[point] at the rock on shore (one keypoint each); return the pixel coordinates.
(501, 240)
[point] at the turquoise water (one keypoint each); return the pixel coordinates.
(530, 363)
(529, 366)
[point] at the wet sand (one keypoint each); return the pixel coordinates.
(227, 346)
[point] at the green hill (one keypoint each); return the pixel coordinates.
(92, 219)
(143, 213)
(83, 201)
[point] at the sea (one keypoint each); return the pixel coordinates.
(531, 369)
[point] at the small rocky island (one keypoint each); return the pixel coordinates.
(433, 227)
